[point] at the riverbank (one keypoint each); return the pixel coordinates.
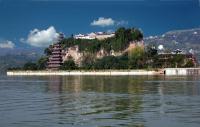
(103, 72)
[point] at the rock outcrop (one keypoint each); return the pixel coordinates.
(75, 54)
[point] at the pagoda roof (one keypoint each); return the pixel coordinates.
(54, 65)
(54, 62)
(56, 56)
(56, 52)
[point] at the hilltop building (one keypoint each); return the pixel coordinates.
(56, 58)
(94, 35)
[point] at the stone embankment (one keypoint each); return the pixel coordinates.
(109, 72)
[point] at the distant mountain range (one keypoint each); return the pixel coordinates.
(17, 57)
(21, 50)
(191, 36)
(178, 39)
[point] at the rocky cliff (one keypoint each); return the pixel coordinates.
(78, 56)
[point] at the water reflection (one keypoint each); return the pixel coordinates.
(104, 98)
(98, 84)
(100, 101)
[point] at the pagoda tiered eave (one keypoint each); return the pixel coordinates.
(55, 60)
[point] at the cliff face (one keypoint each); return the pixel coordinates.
(100, 54)
(75, 54)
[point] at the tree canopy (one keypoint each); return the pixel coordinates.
(117, 43)
(69, 65)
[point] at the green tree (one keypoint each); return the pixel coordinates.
(151, 50)
(107, 62)
(112, 62)
(69, 65)
(120, 41)
(42, 63)
(151, 53)
(124, 36)
(122, 62)
(136, 58)
(189, 63)
(136, 34)
(178, 60)
(88, 61)
(47, 51)
(30, 66)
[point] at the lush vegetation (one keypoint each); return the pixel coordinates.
(136, 58)
(130, 60)
(69, 65)
(117, 43)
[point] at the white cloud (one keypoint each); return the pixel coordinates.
(41, 38)
(101, 21)
(121, 23)
(7, 44)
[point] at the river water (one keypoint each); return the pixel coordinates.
(99, 101)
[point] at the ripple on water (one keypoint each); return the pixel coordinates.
(99, 101)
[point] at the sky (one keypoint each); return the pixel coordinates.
(36, 23)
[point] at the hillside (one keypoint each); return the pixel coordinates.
(182, 39)
(191, 36)
(125, 50)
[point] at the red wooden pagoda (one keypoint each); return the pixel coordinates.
(55, 59)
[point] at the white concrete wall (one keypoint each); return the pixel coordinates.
(178, 71)
(132, 72)
(168, 72)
